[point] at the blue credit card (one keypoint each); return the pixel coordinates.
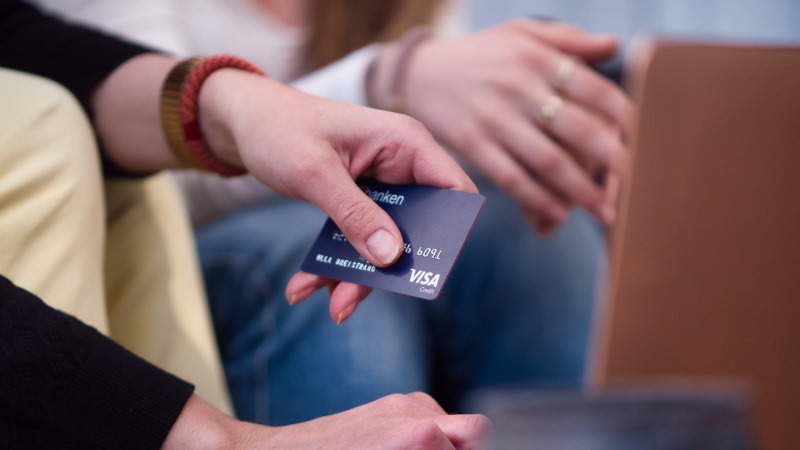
(434, 223)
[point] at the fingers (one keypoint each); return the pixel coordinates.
(583, 114)
(466, 431)
(437, 429)
(345, 297)
(368, 227)
(585, 87)
(401, 150)
(427, 401)
(590, 139)
(570, 39)
(554, 122)
(303, 284)
(555, 168)
(463, 431)
(427, 434)
(537, 200)
(393, 148)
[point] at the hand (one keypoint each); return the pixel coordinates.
(394, 422)
(303, 146)
(482, 95)
(312, 149)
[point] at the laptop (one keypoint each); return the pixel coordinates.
(704, 280)
(696, 339)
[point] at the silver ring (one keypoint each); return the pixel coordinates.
(550, 109)
(563, 73)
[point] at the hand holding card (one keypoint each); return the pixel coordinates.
(434, 223)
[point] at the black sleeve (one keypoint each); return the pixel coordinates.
(65, 385)
(74, 56)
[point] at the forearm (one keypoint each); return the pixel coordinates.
(126, 118)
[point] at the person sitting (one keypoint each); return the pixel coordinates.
(518, 103)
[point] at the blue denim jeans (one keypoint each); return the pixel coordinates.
(516, 308)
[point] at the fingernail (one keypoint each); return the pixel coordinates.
(383, 246)
(345, 314)
(298, 296)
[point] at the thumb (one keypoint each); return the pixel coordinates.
(367, 227)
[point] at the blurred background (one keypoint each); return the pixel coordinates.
(751, 20)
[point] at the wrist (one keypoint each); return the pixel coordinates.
(186, 129)
(387, 76)
(201, 426)
(216, 112)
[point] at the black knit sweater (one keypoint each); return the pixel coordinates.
(65, 385)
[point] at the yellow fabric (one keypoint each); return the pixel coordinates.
(155, 298)
(117, 254)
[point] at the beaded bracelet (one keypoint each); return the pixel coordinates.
(179, 111)
(397, 71)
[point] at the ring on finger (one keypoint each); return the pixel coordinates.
(549, 110)
(563, 73)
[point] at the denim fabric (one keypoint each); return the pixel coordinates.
(516, 308)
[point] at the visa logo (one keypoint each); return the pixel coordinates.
(425, 278)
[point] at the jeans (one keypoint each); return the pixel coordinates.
(516, 309)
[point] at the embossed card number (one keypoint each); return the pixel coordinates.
(434, 223)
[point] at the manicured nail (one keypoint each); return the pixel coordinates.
(383, 246)
(298, 296)
(346, 313)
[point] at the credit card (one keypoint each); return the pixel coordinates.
(434, 223)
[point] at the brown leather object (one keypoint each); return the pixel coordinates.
(705, 274)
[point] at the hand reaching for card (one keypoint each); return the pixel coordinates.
(329, 144)
(435, 224)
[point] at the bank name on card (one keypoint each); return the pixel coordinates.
(434, 223)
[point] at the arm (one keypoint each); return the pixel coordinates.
(398, 421)
(300, 145)
(65, 384)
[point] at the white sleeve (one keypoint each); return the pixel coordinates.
(342, 80)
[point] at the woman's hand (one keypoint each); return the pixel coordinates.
(312, 149)
(394, 422)
(303, 146)
(519, 103)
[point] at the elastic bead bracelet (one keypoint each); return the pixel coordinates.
(408, 43)
(179, 111)
(397, 70)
